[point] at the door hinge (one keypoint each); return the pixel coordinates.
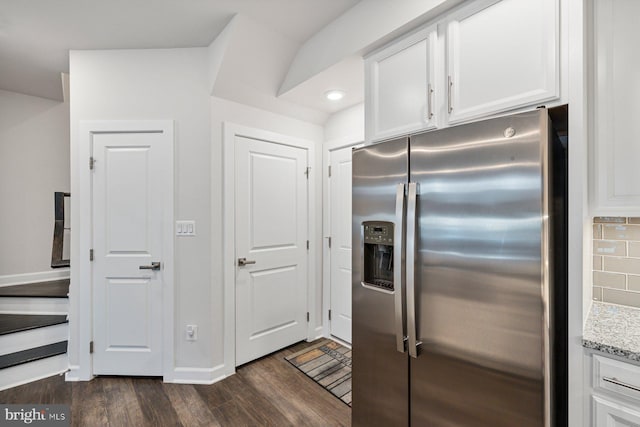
(90, 254)
(329, 240)
(329, 171)
(307, 245)
(91, 347)
(307, 171)
(329, 314)
(92, 162)
(307, 316)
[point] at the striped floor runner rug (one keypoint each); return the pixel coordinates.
(328, 364)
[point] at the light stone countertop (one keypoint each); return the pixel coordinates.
(613, 329)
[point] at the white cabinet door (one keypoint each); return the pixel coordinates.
(500, 56)
(616, 149)
(607, 413)
(400, 87)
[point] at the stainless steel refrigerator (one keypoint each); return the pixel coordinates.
(459, 276)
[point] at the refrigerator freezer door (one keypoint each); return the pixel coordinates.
(479, 284)
(380, 371)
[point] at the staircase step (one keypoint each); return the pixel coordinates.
(49, 289)
(33, 371)
(32, 354)
(10, 323)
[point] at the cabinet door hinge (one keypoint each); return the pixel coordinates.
(92, 162)
(90, 254)
(329, 314)
(307, 316)
(91, 347)
(307, 171)
(329, 240)
(307, 245)
(329, 171)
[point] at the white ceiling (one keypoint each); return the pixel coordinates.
(36, 35)
(278, 55)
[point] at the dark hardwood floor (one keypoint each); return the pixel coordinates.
(266, 392)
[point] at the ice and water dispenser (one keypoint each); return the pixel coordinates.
(378, 255)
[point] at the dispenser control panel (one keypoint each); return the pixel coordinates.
(378, 233)
(378, 255)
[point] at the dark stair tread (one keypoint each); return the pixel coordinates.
(10, 323)
(32, 354)
(50, 289)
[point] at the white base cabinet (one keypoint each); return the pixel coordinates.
(607, 413)
(615, 393)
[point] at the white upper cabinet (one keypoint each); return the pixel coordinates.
(615, 177)
(400, 87)
(501, 55)
(483, 58)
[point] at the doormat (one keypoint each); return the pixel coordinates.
(328, 364)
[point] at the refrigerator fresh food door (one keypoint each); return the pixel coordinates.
(479, 274)
(380, 365)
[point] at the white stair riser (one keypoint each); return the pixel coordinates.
(33, 371)
(18, 341)
(32, 305)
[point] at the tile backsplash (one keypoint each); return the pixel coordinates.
(616, 260)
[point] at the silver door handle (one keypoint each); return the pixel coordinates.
(449, 94)
(411, 269)
(244, 261)
(620, 383)
(398, 260)
(153, 266)
(429, 102)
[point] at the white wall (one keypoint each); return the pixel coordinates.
(155, 84)
(174, 84)
(228, 111)
(34, 163)
(345, 124)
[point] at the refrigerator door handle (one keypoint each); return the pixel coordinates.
(398, 267)
(411, 268)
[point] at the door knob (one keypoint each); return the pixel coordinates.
(244, 261)
(154, 266)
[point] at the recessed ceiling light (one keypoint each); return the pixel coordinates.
(334, 95)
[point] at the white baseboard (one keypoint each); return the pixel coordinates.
(319, 333)
(33, 371)
(340, 341)
(33, 305)
(43, 276)
(197, 375)
(75, 374)
(18, 341)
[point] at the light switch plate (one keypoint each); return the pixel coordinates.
(185, 228)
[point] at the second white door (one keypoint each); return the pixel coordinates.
(340, 221)
(271, 247)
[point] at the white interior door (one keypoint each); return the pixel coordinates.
(271, 234)
(129, 204)
(340, 221)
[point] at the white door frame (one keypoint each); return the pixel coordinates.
(81, 311)
(328, 147)
(230, 132)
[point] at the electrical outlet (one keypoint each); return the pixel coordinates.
(191, 333)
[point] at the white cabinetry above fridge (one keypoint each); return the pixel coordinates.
(483, 58)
